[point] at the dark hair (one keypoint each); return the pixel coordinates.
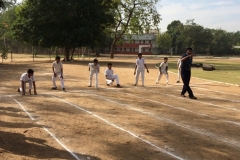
(165, 58)
(109, 64)
(30, 71)
(95, 60)
(139, 54)
(189, 48)
(58, 57)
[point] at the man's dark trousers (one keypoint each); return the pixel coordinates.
(186, 75)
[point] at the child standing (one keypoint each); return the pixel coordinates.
(27, 78)
(57, 69)
(140, 67)
(179, 69)
(94, 69)
(163, 69)
(110, 77)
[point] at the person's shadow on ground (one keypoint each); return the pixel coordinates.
(19, 144)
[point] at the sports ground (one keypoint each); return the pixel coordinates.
(133, 122)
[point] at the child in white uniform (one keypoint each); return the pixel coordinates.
(179, 69)
(27, 78)
(94, 69)
(140, 67)
(163, 70)
(57, 69)
(110, 77)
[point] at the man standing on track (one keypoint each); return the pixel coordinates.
(186, 62)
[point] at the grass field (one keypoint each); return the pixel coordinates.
(227, 70)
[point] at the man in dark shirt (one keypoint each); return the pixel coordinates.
(186, 62)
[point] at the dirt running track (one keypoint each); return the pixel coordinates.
(128, 123)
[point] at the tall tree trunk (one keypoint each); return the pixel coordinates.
(66, 54)
(112, 48)
(73, 53)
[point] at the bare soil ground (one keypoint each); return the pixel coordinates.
(151, 122)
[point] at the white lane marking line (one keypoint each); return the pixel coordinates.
(51, 134)
(64, 146)
(230, 100)
(191, 128)
(183, 109)
(120, 128)
(216, 91)
(186, 110)
(211, 80)
(24, 109)
(171, 106)
(207, 103)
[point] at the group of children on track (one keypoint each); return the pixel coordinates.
(94, 69)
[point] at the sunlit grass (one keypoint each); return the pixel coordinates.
(227, 70)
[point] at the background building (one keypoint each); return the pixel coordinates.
(131, 44)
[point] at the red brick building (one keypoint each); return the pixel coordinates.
(131, 44)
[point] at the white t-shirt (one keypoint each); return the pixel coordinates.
(179, 63)
(140, 64)
(163, 66)
(24, 77)
(94, 68)
(57, 66)
(109, 73)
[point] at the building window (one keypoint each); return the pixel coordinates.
(124, 49)
(150, 42)
(133, 49)
(150, 49)
(130, 49)
(143, 49)
(144, 42)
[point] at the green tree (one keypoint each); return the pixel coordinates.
(133, 16)
(175, 29)
(66, 24)
(6, 3)
(222, 42)
(164, 40)
(198, 37)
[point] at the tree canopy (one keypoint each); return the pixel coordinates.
(203, 40)
(67, 24)
(133, 16)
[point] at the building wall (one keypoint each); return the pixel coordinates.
(131, 44)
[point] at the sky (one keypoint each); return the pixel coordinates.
(214, 14)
